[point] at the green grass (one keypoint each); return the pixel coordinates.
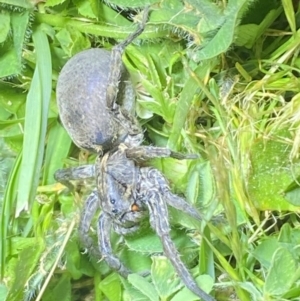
(213, 78)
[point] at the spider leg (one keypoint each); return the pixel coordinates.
(116, 62)
(172, 200)
(74, 173)
(160, 223)
(90, 207)
(104, 228)
(150, 152)
(177, 202)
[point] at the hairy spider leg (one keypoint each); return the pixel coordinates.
(74, 173)
(153, 197)
(150, 152)
(104, 229)
(174, 200)
(116, 62)
(89, 210)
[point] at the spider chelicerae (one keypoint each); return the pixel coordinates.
(98, 116)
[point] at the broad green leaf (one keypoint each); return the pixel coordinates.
(55, 2)
(271, 173)
(61, 291)
(138, 262)
(248, 34)
(279, 278)
(265, 250)
(85, 8)
(252, 289)
(11, 98)
(3, 291)
(131, 293)
(111, 287)
(146, 242)
(292, 192)
(289, 235)
(4, 25)
(164, 278)
(205, 282)
(146, 288)
(72, 41)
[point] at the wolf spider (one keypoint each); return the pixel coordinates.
(125, 191)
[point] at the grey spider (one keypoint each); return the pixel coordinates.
(125, 192)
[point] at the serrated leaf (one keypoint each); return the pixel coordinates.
(4, 25)
(12, 47)
(15, 4)
(224, 35)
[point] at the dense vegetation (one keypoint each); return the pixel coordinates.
(216, 78)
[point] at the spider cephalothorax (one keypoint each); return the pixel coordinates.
(99, 116)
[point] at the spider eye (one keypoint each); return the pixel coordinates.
(112, 201)
(114, 211)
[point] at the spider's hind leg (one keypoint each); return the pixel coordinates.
(153, 196)
(143, 152)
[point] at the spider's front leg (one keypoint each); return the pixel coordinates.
(66, 175)
(89, 210)
(139, 153)
(151, 193)
(104, 229)
(90, 206)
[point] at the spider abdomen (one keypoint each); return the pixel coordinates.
(81, 98)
